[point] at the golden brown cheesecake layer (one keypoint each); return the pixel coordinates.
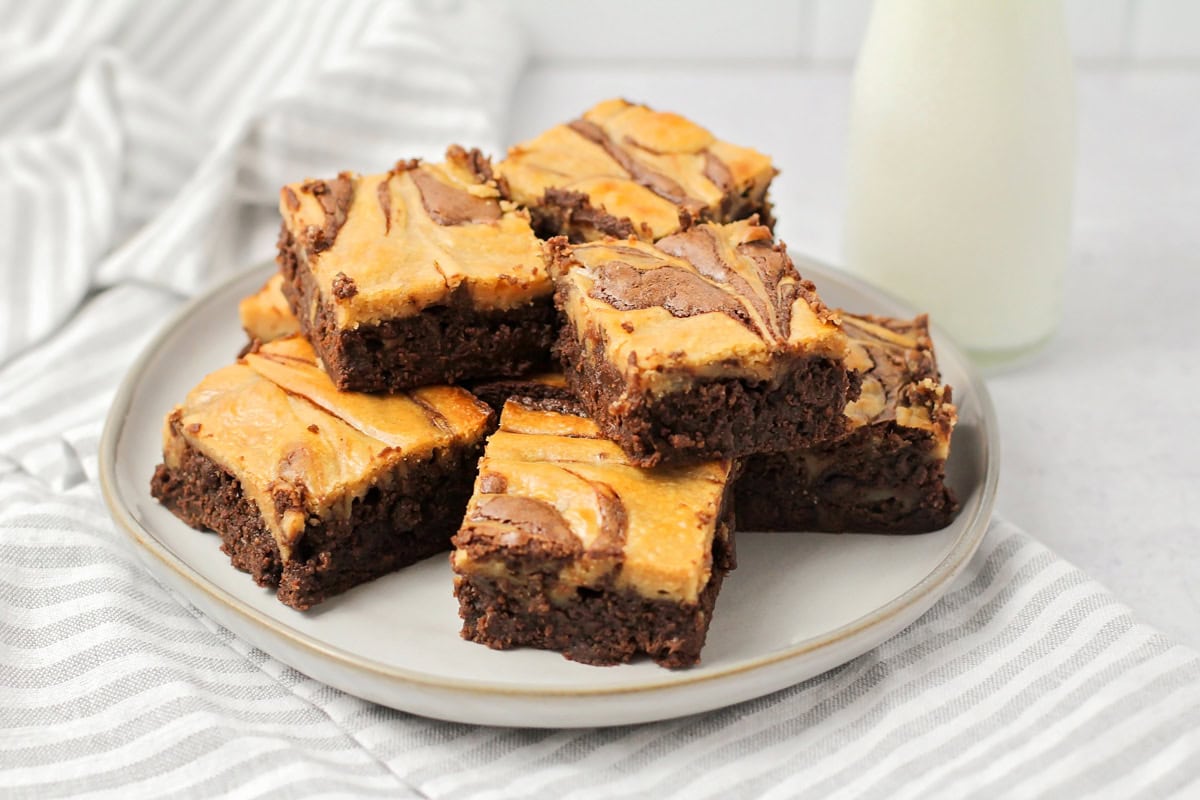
(637, 171)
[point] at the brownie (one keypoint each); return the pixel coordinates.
(888, 474)
(265, 315)
(314, 491)
(543, 386)
(623, 169)
(568, 546)
(708, 344)
(422, 275)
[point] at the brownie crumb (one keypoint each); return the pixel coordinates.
(406, 165)
(343, 286)
(473, 159)
(563, 211)
(493, 483)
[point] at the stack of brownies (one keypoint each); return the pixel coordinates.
(569, 367)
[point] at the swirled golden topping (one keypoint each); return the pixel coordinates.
(715, 300)
(639, 167)
(391, 245)
(549, 478)
(301, 448)
(900, 377)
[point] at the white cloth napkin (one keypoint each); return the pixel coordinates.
(140, 151)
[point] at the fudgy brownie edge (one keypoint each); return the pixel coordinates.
(712, 418)
(601, 627)
(870, 482)
(442, 344)
(387, 528)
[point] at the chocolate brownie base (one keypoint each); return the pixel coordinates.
(563, 212)
(711, 418)
(387, 528)
(440, 345)
(879, 479)
(496, 392)
(595, 626)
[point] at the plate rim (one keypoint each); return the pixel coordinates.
(964, 547)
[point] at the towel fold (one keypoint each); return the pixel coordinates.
(148, 141)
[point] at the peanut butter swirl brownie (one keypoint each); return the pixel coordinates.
(888, 474)
(707, 344)
(422, 275)
(568, 546)
(623, 169)
(314, 491)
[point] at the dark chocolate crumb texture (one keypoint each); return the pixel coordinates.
(707, 344)
(313, 490)
(547, 387)
(422, 275)
(623, 169)
(888, 474)
(568, 546)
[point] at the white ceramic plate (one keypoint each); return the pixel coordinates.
(796, 606)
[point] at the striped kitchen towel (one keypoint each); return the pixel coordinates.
(140, 151)
(147, 142)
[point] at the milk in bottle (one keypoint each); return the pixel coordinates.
(962, 164)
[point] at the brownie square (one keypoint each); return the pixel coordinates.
(623, 169)
(422, 275)
(888, 474)
(314, 491)
(707, 344)
(568, 546)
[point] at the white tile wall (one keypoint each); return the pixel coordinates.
(1166, 30)
(584, 30)
(837, 29)
(1100, 29)
(820, 31)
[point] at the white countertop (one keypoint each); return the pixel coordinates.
(1101, 432)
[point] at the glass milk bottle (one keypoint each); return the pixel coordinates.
(962, 153)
